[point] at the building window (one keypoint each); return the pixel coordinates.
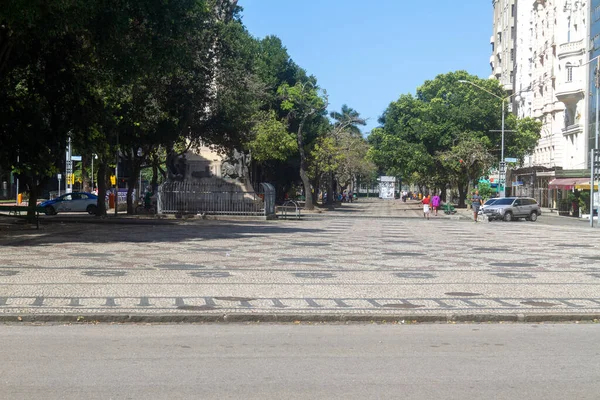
(512, 32)
(569, 68)
(512, 54)
(512, 10)
(499, 37)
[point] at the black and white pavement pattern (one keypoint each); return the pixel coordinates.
(361, 261)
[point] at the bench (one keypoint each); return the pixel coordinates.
(16, 211)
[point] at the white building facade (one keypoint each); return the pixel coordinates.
(502, 60)
(549, 77)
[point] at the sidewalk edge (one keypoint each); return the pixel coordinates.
(286, 318)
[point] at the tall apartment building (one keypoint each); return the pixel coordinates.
(523, 68)
(549, 82)
(594, 57)
(502, 60)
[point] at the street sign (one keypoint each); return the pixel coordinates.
(510, 159)
(59, 176)
(75, 158)
(502, 166)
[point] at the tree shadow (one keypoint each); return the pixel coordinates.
(148, 231)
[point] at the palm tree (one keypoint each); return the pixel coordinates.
(346, 121)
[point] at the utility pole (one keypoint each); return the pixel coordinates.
(117, 179)
(594, 152)
(69, 169)
(502, 162)
(17, 195)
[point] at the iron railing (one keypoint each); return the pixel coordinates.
(215, 198)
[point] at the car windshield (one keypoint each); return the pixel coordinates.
(489, 202)
(504, 202)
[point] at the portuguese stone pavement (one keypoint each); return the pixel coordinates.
(373, 258)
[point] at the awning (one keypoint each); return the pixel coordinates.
(586, 186)
(567, 183)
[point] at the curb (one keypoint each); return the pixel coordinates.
(287, 318)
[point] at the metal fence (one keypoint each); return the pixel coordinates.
(215, 198)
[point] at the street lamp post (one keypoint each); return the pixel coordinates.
(502, 166)
(96, 157)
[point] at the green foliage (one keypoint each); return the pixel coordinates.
(526, 137)
(326, 156)
(272, 139)
(467, 160)
(302, 100)
(485, 190)
(423, 137)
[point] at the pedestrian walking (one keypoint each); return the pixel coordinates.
(426, 202)
(435, 203)
(475, 204)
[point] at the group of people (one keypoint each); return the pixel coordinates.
(345, 197)
(430, 202)
(410, 196)
(435, 201)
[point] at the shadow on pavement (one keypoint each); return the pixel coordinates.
(148, 232)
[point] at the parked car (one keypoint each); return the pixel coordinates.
(71, 202)
(513, 208)
(488, 203)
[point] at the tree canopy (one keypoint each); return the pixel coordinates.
(447, 132)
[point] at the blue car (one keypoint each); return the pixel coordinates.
(71, 202)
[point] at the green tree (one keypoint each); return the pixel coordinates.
(442, 119)
(272, 140)
(304, 103)
(464, 162)
(346, 125)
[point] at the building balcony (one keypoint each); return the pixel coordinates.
(572, 129)
(571, 49)
(570, 92)
(492, 39)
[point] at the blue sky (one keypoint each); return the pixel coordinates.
(367, 53)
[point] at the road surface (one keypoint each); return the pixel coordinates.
(471, 361)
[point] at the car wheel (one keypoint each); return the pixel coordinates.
(533, 216)
(508, 216)
(49, 210)
(91, 209)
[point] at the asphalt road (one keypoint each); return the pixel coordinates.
(262, 361)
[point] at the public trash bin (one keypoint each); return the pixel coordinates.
(111, 200)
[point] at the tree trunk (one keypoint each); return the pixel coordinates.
(316, 184)
(462, 191)
(85, 177)
(131, 182)
(154, 182)
(101, 182)
(330, 194)
(33, 197)
(308, 199)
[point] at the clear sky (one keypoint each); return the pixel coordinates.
(366, 53)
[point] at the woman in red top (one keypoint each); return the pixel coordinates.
(426, 201)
